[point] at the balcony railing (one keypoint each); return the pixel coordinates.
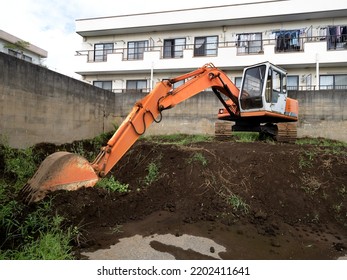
(281, 45)
(312, 88)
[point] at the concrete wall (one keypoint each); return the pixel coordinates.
(322, 113)
(39, 105)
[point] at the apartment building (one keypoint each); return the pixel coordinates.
(132, 52)
(17, 47)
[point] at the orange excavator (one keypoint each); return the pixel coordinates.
(258, 105)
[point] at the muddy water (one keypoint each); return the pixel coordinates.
(163, 235)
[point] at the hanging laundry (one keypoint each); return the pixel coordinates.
(287, 40)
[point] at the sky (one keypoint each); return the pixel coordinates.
(50, 24)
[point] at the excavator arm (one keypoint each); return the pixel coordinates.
(66, 171)
(162, 97)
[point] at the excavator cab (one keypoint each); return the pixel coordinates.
(264, 104)
(263, 88)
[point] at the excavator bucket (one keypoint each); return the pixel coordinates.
(59, 171)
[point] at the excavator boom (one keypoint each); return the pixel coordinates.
(67, 171)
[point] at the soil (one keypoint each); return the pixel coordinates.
(259, 200)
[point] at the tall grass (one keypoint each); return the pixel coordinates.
(246, 137)
(19, 165)
(27, 232)
(44, 242)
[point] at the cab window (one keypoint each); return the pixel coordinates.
(252, 88)
(275, 85)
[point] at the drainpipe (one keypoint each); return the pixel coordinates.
(317, 71)
(151, 83)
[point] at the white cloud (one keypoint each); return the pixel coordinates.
(50, 24)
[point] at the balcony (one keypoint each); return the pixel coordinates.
(231, 55)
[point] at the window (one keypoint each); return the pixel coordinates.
(20, 55)
(288, 41)
(293, 82)
(238, 81)
(101, 51)
(253, 82)
(249, 43)
(27, 58)
(136, 85)
(173, 48)
(337, 37)
(340, 82)
(206, 46)
(275, 85)
(136, 49)
(103, 84)
(333, 81)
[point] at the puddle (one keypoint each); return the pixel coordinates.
(159, 247)
(163, 236)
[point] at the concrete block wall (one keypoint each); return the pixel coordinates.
(38, 105)
(322, 113)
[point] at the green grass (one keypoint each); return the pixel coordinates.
(27, 232)
(319, 145)
(37, 235)
(246, 137)
(34, 232)
(49, 244)
(238, 204)
(19, 165)
(179, 139)
(152, 174)
(322, 142)
(306, 159)
(198, 157)
(112, 185)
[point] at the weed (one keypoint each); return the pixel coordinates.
(42, 238)
(51, 245)
(112, 185)
(31, 233)
(152, 175)
(117, 229)
(306, 159)
(198, 157)
(19, 164)
(102, 139)
(238, 204)
(246, 137)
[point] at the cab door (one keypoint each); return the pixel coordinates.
(276, 94)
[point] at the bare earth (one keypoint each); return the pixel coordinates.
(292, 200)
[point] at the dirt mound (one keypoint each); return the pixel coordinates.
(281, 196)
